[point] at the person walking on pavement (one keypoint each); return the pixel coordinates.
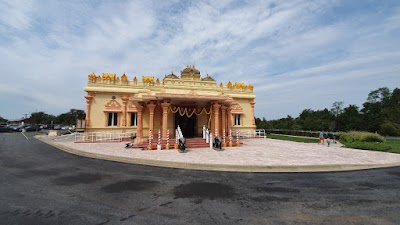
(321, 137)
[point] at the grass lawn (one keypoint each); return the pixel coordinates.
(387, 146)
(291, 138)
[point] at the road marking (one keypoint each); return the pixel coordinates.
(25, 136)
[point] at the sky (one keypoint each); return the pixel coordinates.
(297, 54)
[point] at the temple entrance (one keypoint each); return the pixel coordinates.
(187, 125)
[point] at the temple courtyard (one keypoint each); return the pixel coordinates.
(254, 155)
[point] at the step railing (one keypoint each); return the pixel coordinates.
(101, 137)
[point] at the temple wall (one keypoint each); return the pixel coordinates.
(246, 118)
(172, 89)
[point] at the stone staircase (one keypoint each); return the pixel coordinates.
(190, 143)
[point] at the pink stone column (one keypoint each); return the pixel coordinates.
(89, 99)
(151, 107)
(216, 108)
(139, 132)
(165, 105)
(223, 120)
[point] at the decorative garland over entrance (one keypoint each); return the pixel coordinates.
(190, 111)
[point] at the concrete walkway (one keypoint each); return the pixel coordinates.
(255, 155)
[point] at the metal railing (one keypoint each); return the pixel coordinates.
(249, 133)
(101, 137)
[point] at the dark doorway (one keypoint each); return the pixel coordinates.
(187, 125)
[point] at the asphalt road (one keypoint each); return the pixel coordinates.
(40, 184)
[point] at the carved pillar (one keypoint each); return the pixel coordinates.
(139, 132)
(125, 99)
(252, 103)
(216, 108)
(223, 120)
(89, 99)
(164, 106)
(151, 107)
(229, 118)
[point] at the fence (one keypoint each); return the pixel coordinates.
(249, 133)
(101, 137)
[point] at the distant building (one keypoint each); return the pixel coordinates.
(20, 121)
(118, 104)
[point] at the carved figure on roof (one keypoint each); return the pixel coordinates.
(92, 77)
(229, 85)
(135, 80)
(239, 85)
(124, 78)
(109, 76)
(158, 82)
(147, 80)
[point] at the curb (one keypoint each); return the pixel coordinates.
(223, 167)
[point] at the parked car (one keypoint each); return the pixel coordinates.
(4, 128)
(16, 128)
(32, 128)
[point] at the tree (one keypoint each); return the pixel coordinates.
(379, 95)
(70, 117)
(41, 118)
(2, 120)
(350, 119)
(336, 110)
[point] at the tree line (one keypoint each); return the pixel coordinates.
(380, 113)
(67, 118)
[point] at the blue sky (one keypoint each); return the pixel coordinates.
(297, 54)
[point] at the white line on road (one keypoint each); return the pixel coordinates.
(25, 136)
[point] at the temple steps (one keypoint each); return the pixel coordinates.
(190, 143)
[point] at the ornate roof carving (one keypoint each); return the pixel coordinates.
(207, 78)
(172, 76)
(113, 106)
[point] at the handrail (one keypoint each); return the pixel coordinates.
(101, 137)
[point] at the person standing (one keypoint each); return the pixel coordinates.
(321, 137)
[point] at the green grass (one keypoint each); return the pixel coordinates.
(387, 146)
(290, 138)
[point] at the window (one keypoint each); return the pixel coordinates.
(112, 119)
(237, 119)
(133, 119)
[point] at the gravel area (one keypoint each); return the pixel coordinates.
(255, 152)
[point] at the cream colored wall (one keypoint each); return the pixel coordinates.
(246, 118)
(98, 118)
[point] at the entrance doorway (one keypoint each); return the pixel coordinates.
(187, 125)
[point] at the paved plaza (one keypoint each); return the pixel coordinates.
(254, 155)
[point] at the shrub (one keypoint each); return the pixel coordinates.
(390, 129)
(357, 136)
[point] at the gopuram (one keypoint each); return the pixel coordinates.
(141, 106)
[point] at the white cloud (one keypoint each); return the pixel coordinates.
(292, 51)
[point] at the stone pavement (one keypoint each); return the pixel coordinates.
(255, 155)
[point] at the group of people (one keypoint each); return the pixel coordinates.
(330, 137)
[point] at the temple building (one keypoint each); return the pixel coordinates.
(149, 105)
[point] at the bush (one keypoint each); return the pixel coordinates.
(357, 136)
(390, 129)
